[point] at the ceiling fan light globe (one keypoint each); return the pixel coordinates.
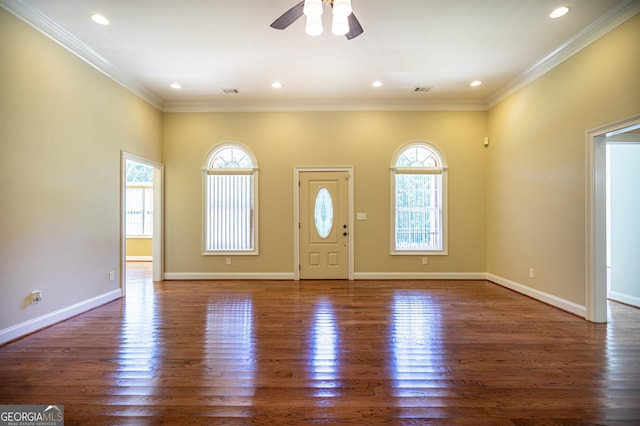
(340, 25)
(312, 8)
(314, 25)
(342, 7)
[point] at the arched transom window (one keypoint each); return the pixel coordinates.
(230, 194)
(419, 195)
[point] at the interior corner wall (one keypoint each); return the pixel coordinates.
(365, 140)
(62, 128)
(536, 167)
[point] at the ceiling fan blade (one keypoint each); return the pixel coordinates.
(355, 29)
(289, 17)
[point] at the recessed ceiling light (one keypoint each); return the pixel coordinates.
(475, 83)
(560, 11)
(377, 83)
(276, 85)
(99, 19)
(176, 86)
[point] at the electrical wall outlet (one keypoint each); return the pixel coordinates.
(228, 261)
(425, 260)
(36, 296)
(532, 273)
(112, 275)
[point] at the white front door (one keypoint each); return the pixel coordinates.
(324, 225)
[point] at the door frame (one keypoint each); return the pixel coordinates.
(596, 217)
(157, 255)
(297, 170)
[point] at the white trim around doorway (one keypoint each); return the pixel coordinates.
(596, 221)
(296, 214)
(158, 217)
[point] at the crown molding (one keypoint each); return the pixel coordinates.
(215, 107)
(609, 21)
(606, 23)
(36, 19)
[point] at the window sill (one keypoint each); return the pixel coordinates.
(419, 253)
(230, 253)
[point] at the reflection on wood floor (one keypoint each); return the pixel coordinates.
(331, 352)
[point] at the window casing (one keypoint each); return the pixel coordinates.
(230, 176)
(418, 201)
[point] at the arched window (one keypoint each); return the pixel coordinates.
(230, 201)
(418, 200)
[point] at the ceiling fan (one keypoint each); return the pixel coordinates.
(342, 17)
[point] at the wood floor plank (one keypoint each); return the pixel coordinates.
(330, 352)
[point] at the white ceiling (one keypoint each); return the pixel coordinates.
(210, 45)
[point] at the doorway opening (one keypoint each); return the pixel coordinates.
(596, 215)
(141, 218)
(623, 210)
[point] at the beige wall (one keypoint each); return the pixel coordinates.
(536, 162)
(62, 128)
(138, 247)
(364, 140)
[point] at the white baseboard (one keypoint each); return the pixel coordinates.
(420, 276)
(46, 320)
(194, 276)
(280, 276)
(547, 298)
(139, 258)
(624, 298)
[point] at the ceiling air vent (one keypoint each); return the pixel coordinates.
(423, 89)
(231, 91)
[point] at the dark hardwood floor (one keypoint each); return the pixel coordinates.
(329, 352)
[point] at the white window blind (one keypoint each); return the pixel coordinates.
(230, 206)
(139, 210)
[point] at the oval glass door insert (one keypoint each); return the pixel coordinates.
(323, 213)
